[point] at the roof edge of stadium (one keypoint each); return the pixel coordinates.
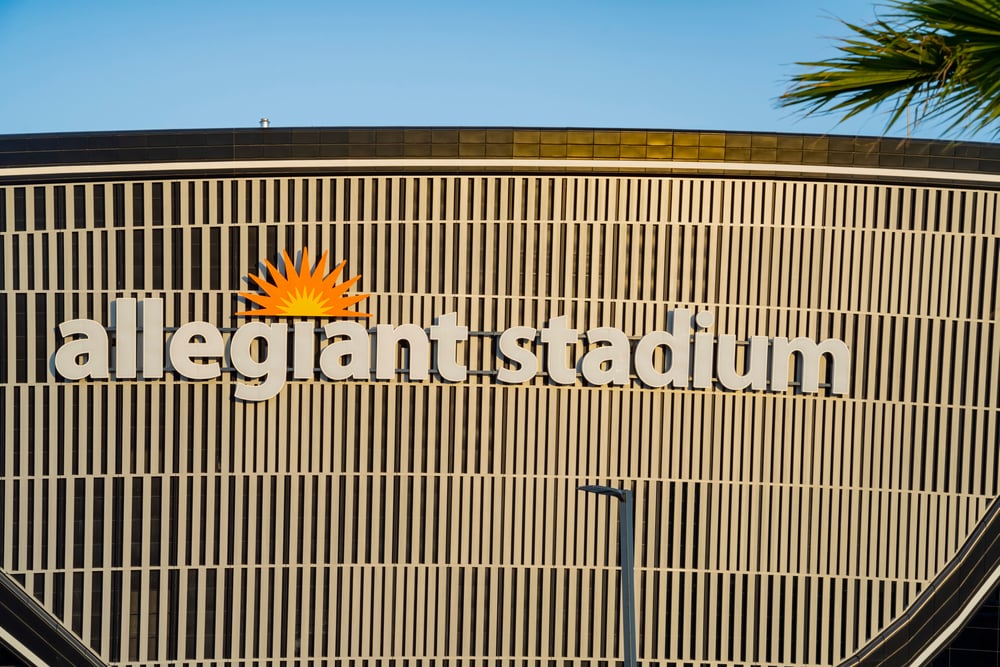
(437, 144)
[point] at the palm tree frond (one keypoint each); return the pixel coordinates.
(938, 58)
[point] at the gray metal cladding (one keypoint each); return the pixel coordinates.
(424, 523)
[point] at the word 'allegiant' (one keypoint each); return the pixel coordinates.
(673, 358)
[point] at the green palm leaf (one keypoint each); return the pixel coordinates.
(940, 59)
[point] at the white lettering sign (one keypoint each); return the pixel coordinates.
(259, 353)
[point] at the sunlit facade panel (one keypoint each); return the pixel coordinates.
(421, 519)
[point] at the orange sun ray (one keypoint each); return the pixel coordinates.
(276, 275)
(261, 283)
(303, 292)
(322, 262)
(259, 299)
(344, 286)
(290, 272)
(330, 279)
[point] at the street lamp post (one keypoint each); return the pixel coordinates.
(628, 569)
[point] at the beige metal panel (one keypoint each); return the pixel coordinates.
(578, 189)
(29, 209)
(776, 454)
(8, 198)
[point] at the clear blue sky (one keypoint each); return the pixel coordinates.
(677, 64)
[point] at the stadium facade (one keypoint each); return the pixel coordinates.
(785, 346)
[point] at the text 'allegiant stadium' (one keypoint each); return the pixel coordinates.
(685, 356)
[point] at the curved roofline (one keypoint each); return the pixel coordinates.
(35, 635)
(944, 607)
(434, 143)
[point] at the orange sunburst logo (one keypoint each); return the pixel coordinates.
(304, 293)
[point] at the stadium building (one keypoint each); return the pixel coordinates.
(326, 396)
